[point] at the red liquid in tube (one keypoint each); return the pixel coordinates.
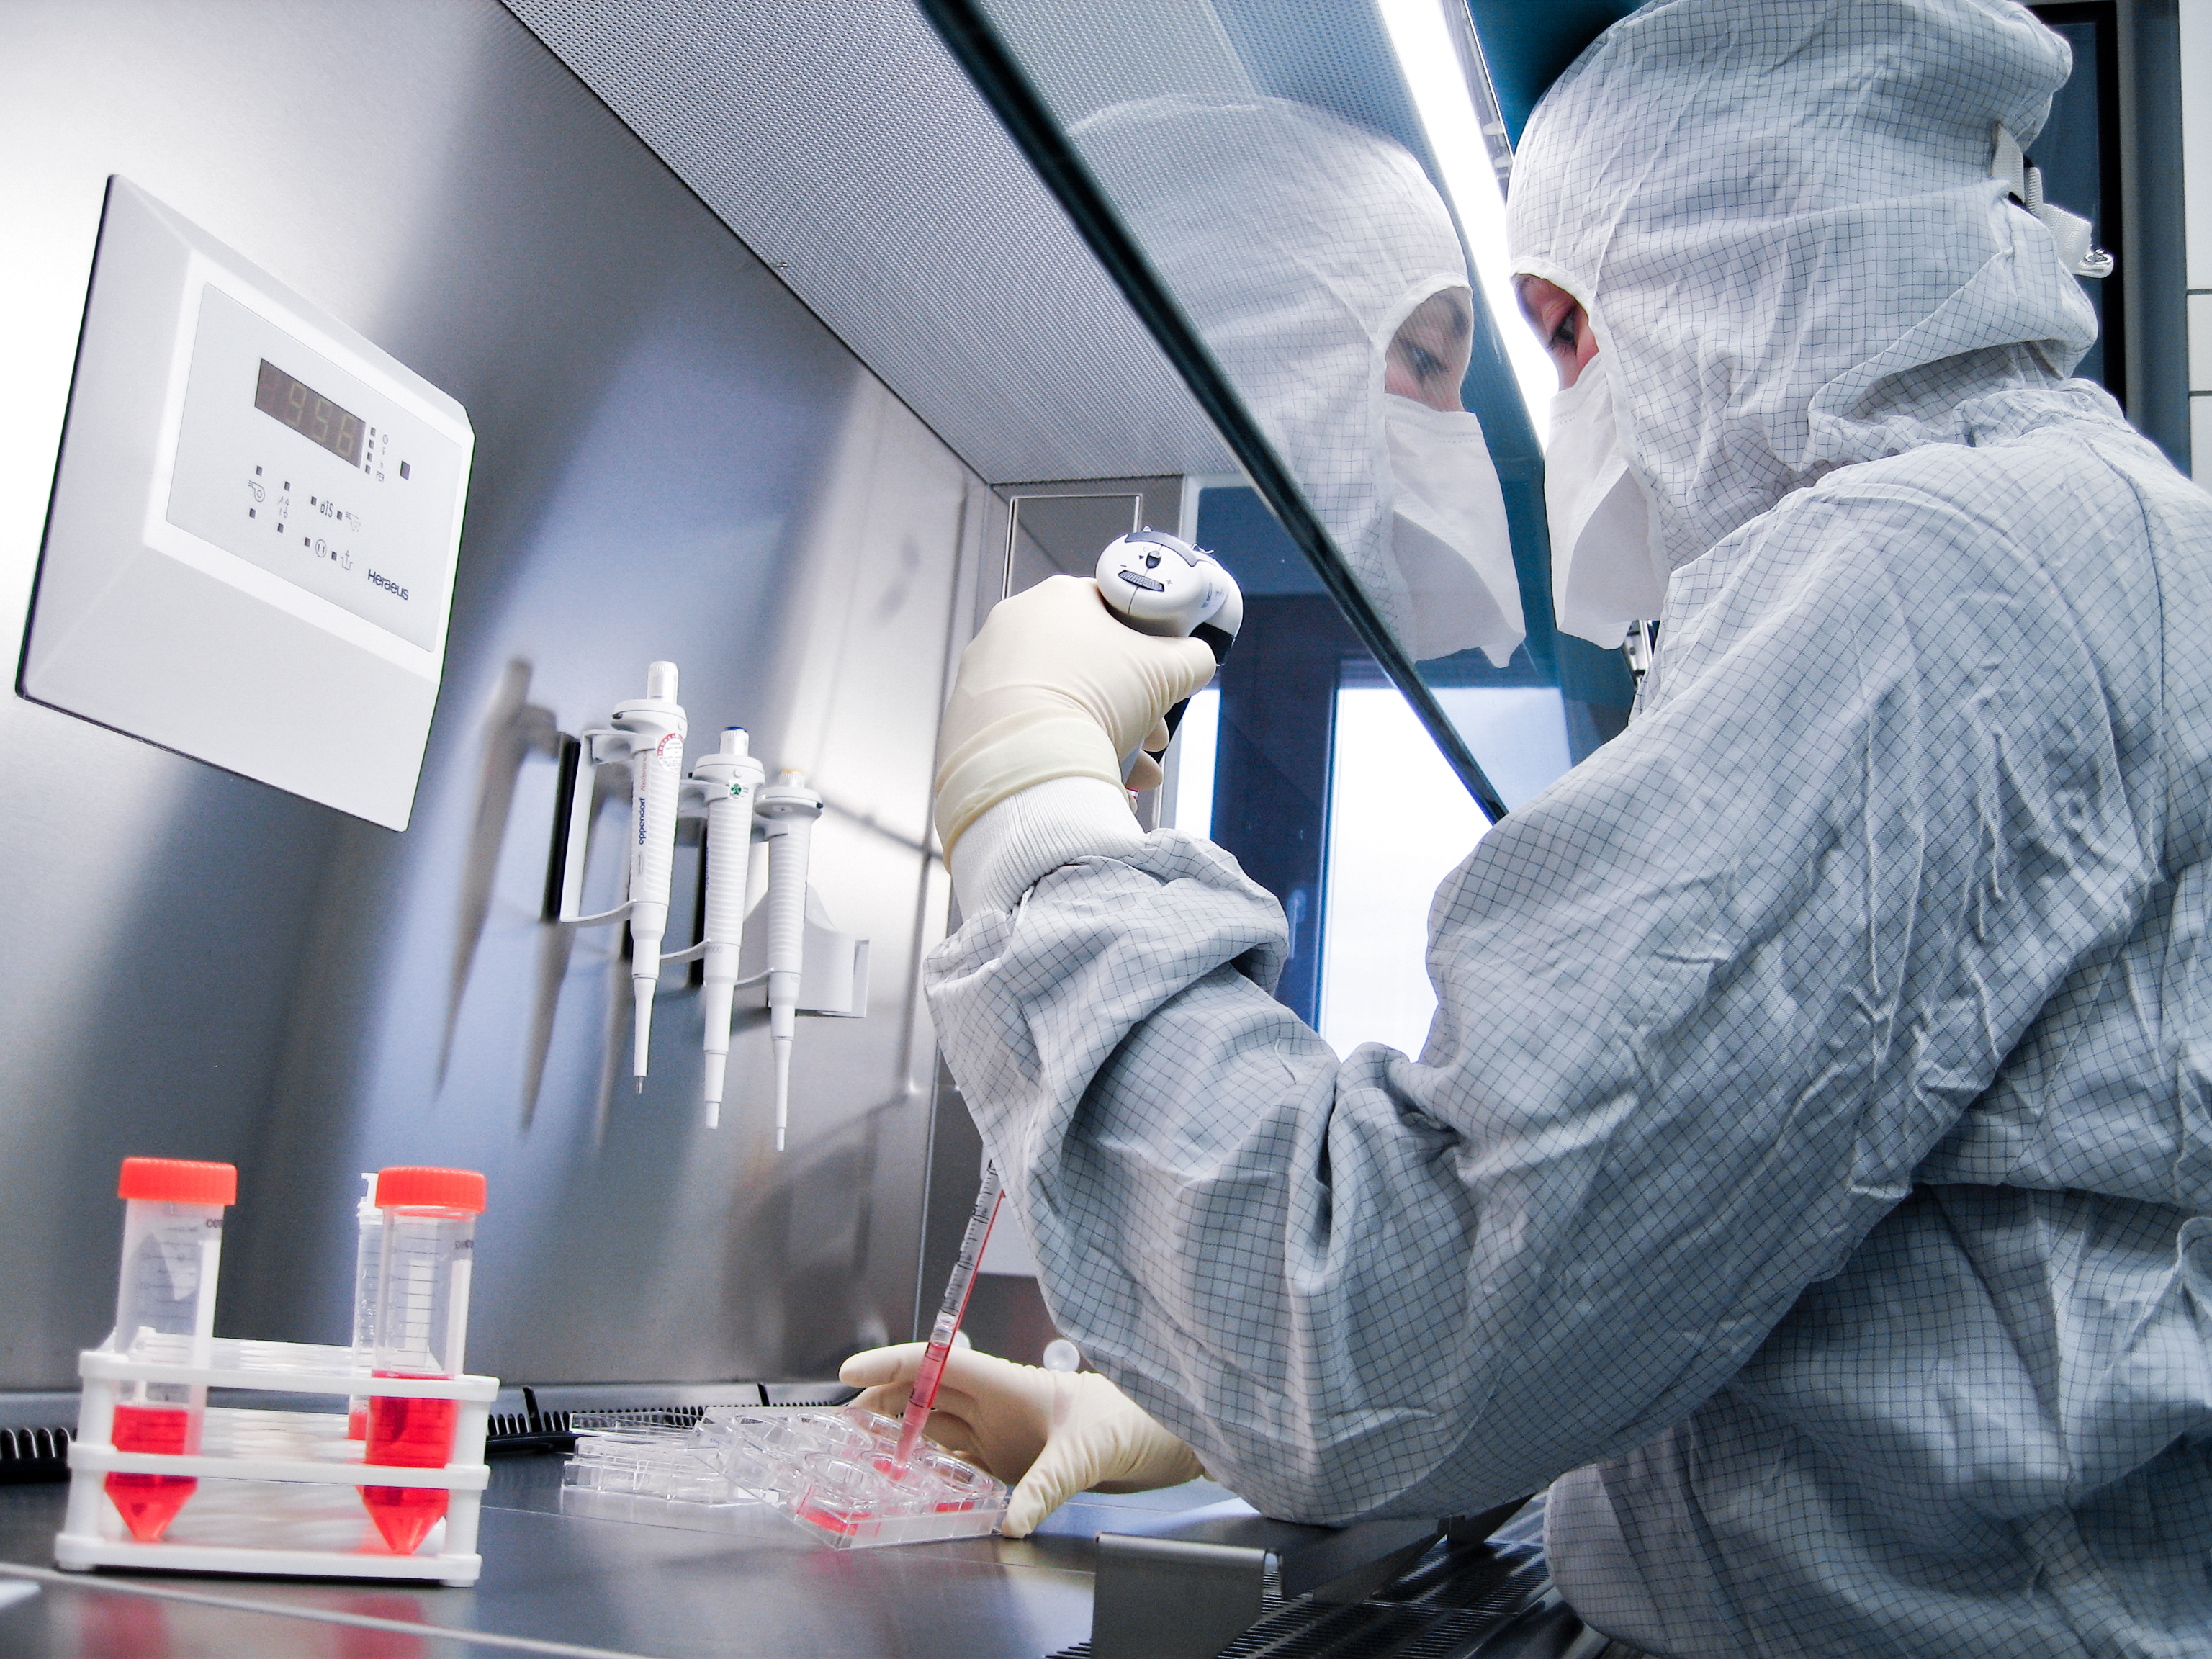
(409, 1434)
(426, 1249)
(148, 1503)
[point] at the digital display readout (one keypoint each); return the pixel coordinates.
(309, 413)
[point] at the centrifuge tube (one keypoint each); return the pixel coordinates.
(422, 1328)
(165, 1307)
(368, 1250)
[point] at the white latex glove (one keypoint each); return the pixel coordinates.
(1053, 686)
(1048, 1434)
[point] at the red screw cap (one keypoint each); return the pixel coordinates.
(438, 1189)
(178, 1181)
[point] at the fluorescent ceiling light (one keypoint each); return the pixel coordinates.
(1429, 58)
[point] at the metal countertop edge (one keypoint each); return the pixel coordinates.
(86, 1581)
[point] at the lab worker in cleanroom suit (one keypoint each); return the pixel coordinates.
(1809, 1170)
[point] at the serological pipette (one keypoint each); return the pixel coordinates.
(923, 1398)
(656, 726)
(787, 811)
(732, 779)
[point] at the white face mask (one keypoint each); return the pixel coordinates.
(1604, 573)
(1448, 538)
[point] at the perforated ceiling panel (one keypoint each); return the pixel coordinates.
(842, 145)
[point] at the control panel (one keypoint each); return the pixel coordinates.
(286, 459)
(256, 523)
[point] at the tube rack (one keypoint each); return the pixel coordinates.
(271, 1475)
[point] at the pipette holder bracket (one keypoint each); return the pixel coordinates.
(834, 980)
(574, 795)
(301, 1468)
(833, 977)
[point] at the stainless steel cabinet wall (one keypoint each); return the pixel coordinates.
(674, 459)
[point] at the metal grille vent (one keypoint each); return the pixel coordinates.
(33, 1455)
(844, 146)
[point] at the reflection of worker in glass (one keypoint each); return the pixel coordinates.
(1427, 357)
(1809, 1175)
(1325, 276)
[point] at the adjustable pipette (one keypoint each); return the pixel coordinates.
(656, 726)
(787, 811)
(732, 781)
(923, 1398)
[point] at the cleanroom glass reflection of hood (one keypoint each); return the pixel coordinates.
(1296, 243)
(1773, 211)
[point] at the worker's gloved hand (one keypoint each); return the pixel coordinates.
(1053, 686)
(1146, 774)
(1048, 1434)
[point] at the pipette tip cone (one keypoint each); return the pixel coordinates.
(642, 1050)
(716, 1069)
(782, 1088)
(639, 1084)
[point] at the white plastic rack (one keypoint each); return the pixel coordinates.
(276, 1488)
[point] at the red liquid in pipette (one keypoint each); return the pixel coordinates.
(921, 1399)
(410, 1434)
(148, 1503)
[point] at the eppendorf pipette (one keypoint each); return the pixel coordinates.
(923, 1399)
(786, 810)
(656, 724)
(732, 782)
(1161, 585)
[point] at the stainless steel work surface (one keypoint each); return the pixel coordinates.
(556, 1582)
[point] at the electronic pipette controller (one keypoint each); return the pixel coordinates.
(1161, 585)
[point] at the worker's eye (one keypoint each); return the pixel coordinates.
(1424, 363)
(1563, 337)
